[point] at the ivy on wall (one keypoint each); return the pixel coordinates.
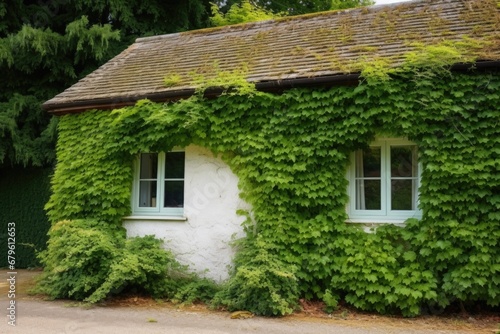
(291, 151)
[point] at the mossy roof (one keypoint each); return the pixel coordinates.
(287, 49)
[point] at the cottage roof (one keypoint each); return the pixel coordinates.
(286, 51)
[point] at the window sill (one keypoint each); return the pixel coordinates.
(156, 218)
(378, 220)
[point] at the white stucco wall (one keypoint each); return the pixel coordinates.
(211, 198)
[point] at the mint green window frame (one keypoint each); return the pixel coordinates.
(374, 181)
(155, 174)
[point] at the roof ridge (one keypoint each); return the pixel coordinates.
(212, 30)
(261, 24)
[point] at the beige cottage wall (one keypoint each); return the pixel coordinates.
(211, 199)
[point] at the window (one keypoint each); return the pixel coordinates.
(159, 184)
(384, 181)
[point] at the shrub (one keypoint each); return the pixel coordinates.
(141, 264)
(78, 257)
(264, 284)
(331, 301)
(195, 289)
(89, 260)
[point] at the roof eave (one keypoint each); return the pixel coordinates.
(123, 101)
(271, 85)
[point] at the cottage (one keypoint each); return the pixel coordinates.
(189, 195)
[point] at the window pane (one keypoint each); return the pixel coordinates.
(368, 195)
(174, 194)
(147, 194)
(403, 161)
(403, 194)
(149, 165)
(174, 165)
(368, 162)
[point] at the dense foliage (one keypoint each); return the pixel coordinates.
(36, 61)
(345, 4)
(297, 7)
(290, 152)
(261, 282)
(240, 13)
(90, 260)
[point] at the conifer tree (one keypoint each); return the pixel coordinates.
(47, 45)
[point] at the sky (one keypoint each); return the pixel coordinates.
(381, 2)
